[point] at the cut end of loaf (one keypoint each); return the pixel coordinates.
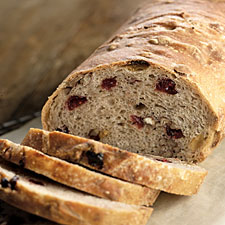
(137, 107)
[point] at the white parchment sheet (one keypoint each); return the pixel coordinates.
(205, 208)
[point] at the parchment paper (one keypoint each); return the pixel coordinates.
(205, 208)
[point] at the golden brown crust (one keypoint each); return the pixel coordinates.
(61, 210)
(77, 176)
(170, 177)
(185, 38)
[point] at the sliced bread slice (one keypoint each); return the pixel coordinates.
(43, 197)
(76, 176)
(168, 175)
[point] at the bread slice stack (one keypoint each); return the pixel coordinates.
(36, 194)
(169, 175)
(76, 176)
(124, 183)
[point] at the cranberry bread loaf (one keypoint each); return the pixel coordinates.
(158, 173)
(76, 176)
(156, 87)
(48, 199)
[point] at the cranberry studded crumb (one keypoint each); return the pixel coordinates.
(95, 159)
(75, 101)
(109, 83)
(174, 133)
(137, 121)
(36, 182)
(166, 85)
(63, 129)
(13, 182)
(164, 160)
(4, 182)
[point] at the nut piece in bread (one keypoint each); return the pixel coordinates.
(76, 176)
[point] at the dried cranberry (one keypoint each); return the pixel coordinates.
(75, 101)
(174, 133)
(164, 160)
(95, 159)
(166, 85)
(64, 129)
(138, 121)
(109, 83)
(4, 182)
(36, 182)
(13, 182)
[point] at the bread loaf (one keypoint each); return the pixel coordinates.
(76, 176)
(156, 87)
(168, 175)
(35, 194)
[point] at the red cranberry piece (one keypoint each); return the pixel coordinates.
(164, 160)
(138, 121)
(174, 133)
(166, 85)
(109, 83)
(75, 101)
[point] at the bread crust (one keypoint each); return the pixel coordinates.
(190, 47)
(61, 210)
(173, 176)
(76, 176)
